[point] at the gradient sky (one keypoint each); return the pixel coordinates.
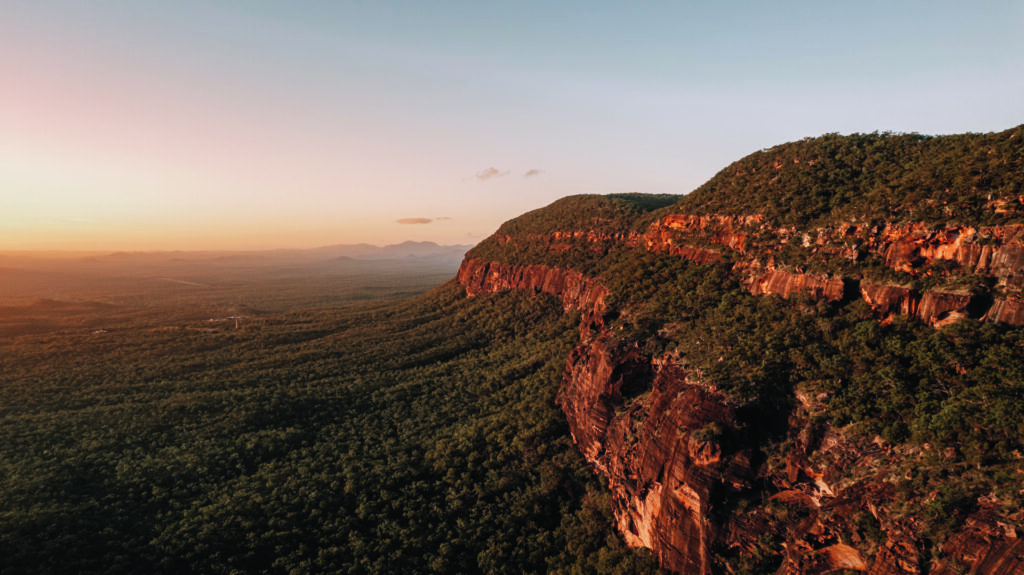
(143, 125)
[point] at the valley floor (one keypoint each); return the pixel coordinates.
(281, 436)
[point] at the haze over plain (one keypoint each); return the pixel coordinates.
(252, 125)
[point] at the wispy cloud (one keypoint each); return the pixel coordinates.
(439, 218)
(532, 172)
(413, 220)
(489, 173)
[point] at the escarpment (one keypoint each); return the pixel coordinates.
(994, 254)
(866, 420)
(869, 259)
(689, 479)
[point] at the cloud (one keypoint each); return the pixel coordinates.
(489, 173)
(413, 221)
(439, 218)
(532, 172)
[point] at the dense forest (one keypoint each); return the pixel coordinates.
(410, 436)
(935, 179)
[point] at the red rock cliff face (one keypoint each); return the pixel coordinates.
(912, 248)
(889, 300)
(939, 308)
(720, 230)
(908, 247)
(788, 284)
(1006, 311)
(575, 290)
(674, 456)
(639, 423)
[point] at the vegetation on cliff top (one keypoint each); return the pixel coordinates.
(609, 218)
(905, 177)
(975, 179)
(601, 214)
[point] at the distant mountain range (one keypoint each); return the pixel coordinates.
(402, 250)
(425, 251)
(25, 275)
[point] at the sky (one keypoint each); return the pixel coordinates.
(155, 125)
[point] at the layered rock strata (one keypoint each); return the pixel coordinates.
(575, 290)
(917, 251)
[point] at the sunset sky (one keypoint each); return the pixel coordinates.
(151, 125)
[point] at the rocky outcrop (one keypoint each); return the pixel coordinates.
(1007, 264)
(889, 300)
(623, 373)
(788, 284)
(911, 248)
(645, 427)
(1010, 311)
(988, 542)
(575, 290)
(996, 251)
(712, 229)
(939, 308)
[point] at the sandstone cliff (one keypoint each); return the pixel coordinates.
(915, 252)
